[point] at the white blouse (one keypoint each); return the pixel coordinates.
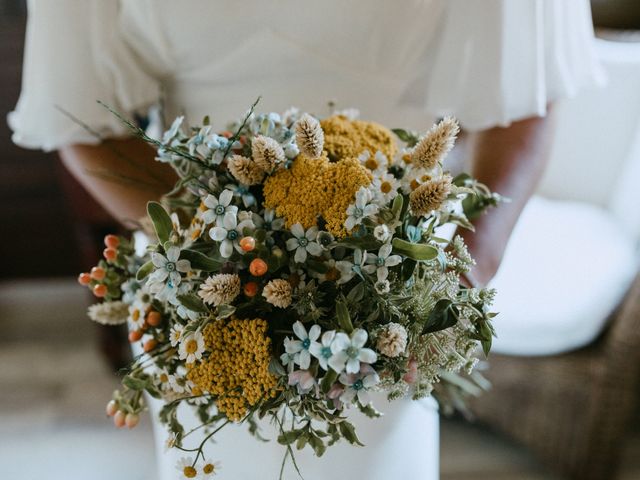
(488, 62)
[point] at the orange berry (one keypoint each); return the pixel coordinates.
(111, 241)
(84, 279)
(150, 345)
(135, 335)
(98, 273)
(119, 418)
(131, 420)
(251, 289)
(154, 318)
(258, 267)
(112, 408)
(100, 290)
(247, 244)
(110, 253)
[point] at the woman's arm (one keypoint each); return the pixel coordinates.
(121, 175)
(509, 161)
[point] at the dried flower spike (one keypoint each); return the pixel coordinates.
(220, 289)
(435, 145)
(392, 341)
(278, 293)
(430, 195)
(309, 136)
(267, 153)
(245, 170)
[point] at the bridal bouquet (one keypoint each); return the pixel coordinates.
(296, 267)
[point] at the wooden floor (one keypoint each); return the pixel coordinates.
(53, 385)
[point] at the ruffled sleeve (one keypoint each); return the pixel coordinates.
(73, 57)
(498, 61)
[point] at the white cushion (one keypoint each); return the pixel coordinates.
(566, 268)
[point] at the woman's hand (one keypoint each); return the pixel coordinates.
(121, 175)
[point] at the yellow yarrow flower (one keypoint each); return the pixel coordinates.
(236, 371)
(312, 188)
(344, 138)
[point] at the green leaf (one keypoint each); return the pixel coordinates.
(225, 311)
(443, 315)
(328, 380)
(193, 303)
(287, 438)
(276, 368)
(368, 242)
(348, 431)
(410, 138)
(200, 261)
(161, 221)
(416, 251)
(342, 313)
(396, 208)
(408, 267)
(356, 294)
(135, 383)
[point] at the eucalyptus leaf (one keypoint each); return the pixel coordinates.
(200, 261)
(161, 221)
(344, 318)
(416, 251)
(193, 303)
(367, 242)
(144, 270)
(225, 311)
(328, 380)
(348, 431)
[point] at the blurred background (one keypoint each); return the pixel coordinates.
(58, 368)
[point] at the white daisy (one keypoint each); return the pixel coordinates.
(361, 209)
(303, 242)
(219, 208)
(376, 164)
(175, 334)
(191, 347)
(349, 352)
(385, 187)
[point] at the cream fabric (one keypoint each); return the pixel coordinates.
(404, 63)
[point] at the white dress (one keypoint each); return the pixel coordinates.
(403, 63)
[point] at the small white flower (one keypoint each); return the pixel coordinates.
(219, 208)
(269, 221)
(303, 242)
(376, 164)
(191, 347)
(243, 192)
(361, 209)
(382, 286)
(359, 385)
(381, 262)
(303, 380)
(209, 468)
(385, 187)
(349, 352)
(300, 348)
(322, 351)
(349, 269)
(168, 268)
(382, 233)
(229, 234)
(288, 359)
(173, 131)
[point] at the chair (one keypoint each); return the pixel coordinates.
(569, 400)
